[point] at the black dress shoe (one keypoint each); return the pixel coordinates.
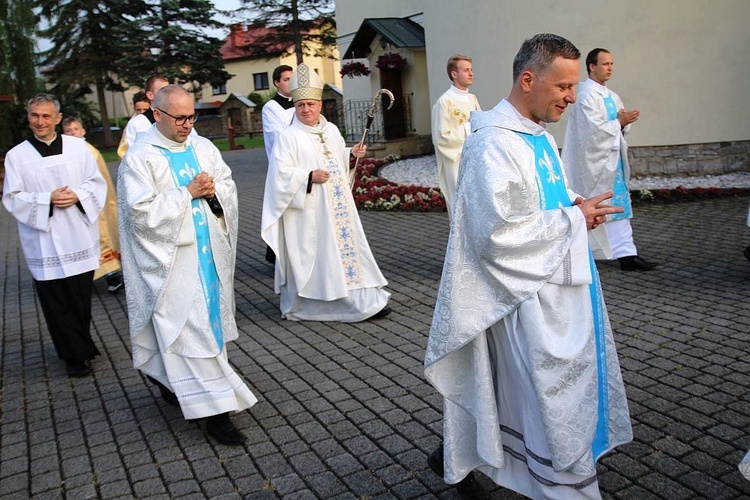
(223, 430)
(168, 396)
(635, 263)
(381, 314)
(468, 487)
(77, 369)
(747, 252)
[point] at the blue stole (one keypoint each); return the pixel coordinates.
(185, 166)
(622, 196)
(553, 195)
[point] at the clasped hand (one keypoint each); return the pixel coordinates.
(595, 211)
(626, 117)
(63, 197)
(202, 186)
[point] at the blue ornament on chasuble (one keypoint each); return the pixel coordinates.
(622, 195)
(342, 210)
(553, 194)
(185, 167)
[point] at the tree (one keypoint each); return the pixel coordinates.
(75, 104)
(87, 42)
(175, 46)
(17, 71)
(308, 25)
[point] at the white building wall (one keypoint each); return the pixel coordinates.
(683, 63)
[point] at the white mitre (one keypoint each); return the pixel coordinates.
(305, 84)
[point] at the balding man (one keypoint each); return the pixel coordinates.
(177, 205)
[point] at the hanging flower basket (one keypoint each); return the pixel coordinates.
(391, 60)
(352, 69)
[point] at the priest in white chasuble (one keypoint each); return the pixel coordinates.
(177, 207)
(324, 270)
(450, 124)
(520, 346)
(595, 154)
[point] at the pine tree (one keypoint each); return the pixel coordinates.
(308, 25)
(17, 72)
(87, 41)
(175, 46)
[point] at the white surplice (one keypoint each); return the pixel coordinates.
(275, 119)
(67, 242)
(325, 270)
(512, 346)
(136, 125)
(171, 337)
(594, 146)
(450, 127)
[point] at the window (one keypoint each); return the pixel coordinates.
(220, 89)
(261, 81)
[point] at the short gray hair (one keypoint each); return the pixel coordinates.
(162, 97)
(538, 52)
(42, 98)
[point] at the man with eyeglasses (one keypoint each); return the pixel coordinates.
(177, 205)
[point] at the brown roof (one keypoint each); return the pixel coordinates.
(239, 42)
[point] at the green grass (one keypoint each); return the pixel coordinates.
(110, 154)
(247, 142)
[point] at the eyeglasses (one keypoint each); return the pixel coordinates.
(180, 120)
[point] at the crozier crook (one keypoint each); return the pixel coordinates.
(371, 116)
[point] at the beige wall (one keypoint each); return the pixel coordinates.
(242, 81)
(683, 63)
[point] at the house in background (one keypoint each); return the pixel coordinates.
(393, 49)
(252, 72)
(678, 64)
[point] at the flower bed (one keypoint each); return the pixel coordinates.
(372, 192)
(682, 193)
(375, 193)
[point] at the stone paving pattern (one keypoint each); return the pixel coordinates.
(344, 410)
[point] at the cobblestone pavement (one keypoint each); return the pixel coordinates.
(344, 410)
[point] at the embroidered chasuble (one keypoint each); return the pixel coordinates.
(595, 152)
(342, 211)
(185, 167)
(520, 345)
(553, 195)
(324, 269)
(620, 188)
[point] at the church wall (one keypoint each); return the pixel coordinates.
(682, 63)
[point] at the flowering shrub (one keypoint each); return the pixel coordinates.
(375, 193)
(352, 69)
(391, 60)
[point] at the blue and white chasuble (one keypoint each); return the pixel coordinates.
(622, 196)
(553, 194)
(184, 168)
